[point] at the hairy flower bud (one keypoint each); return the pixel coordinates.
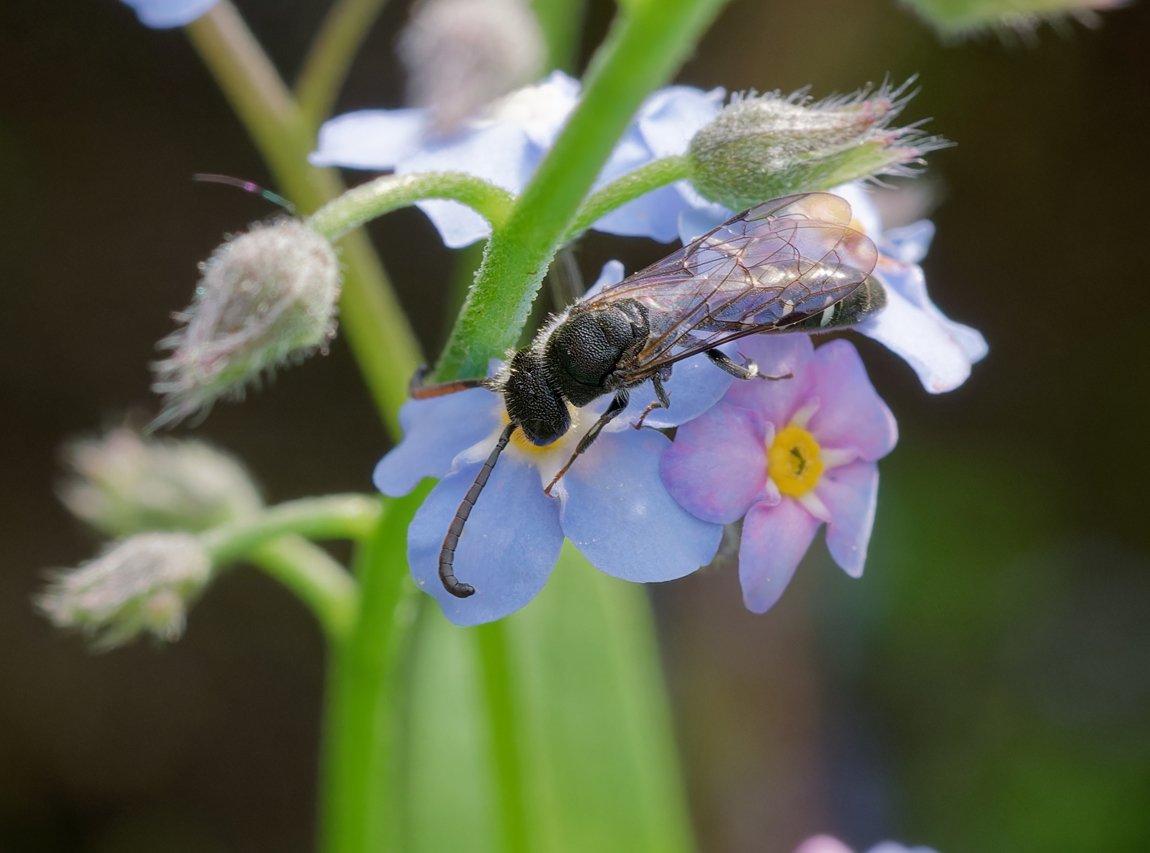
(770, 145)
(462, 54)
(121, 483)
(140, 585)
(264, 297)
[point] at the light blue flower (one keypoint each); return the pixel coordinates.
(506, 144)
(787, 457)
(611, 504)
(165, 14)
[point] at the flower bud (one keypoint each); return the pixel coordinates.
(265, 297)
(765, 146)
(121, 484)
(140, 585)
(462, 54)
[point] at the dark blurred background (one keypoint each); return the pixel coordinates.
(986, 687)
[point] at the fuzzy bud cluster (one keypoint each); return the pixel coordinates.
(121, 483)
(771, 145)
(142, 585)
(461, 55)
(264, 298)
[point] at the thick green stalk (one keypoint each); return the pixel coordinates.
(332, 51)
(362, 802)
(372, 318)
(504, 730)
(561, 22)
(642, 51)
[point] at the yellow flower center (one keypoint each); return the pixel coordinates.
(793, 461)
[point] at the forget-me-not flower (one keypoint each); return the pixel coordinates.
(787, 457)
(611, 504)
(506, 143)
(165, 14)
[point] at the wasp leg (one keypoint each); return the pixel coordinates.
(418, 391)
(662, 401)
(618, 404)
(750, 370)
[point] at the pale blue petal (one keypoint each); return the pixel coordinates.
(654, 215)
(165, 14)
(670, 117)
(500, 154)
(938, 349)
(696, 384)
(435, 431)
(851, 415)
(370, 139)
(665, 124)
(850, 492)
(909, 243)
(775, 538)
(619, 515)
(612, 273)
(698, 218)
(717, 466)
(507, 550)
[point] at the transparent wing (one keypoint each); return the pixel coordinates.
(768, 268)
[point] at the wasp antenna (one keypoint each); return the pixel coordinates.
(417, 390)
(447, 551)
(248, 187)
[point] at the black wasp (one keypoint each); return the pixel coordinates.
(787, 265)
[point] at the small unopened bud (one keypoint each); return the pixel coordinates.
(462, 54)
(122, 483)
(264, 298)
(140, 585)
(770, 145)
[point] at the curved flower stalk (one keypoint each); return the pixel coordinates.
(506, 143)
(787, 457)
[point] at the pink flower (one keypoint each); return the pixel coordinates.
(787, 456)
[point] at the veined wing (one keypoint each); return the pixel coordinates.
(770, 267)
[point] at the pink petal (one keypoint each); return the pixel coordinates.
(851, 415)
(717, 466)
(851, 495)
(774, 541)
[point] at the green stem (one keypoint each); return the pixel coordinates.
(315, 578)
(561, 22)
(362, 798)
(330, 517)
(390, 192)
(373, 320)
(332, 52)
(503, 732)
(628, 187)
(642, 50)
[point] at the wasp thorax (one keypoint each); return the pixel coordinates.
(533, 403)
